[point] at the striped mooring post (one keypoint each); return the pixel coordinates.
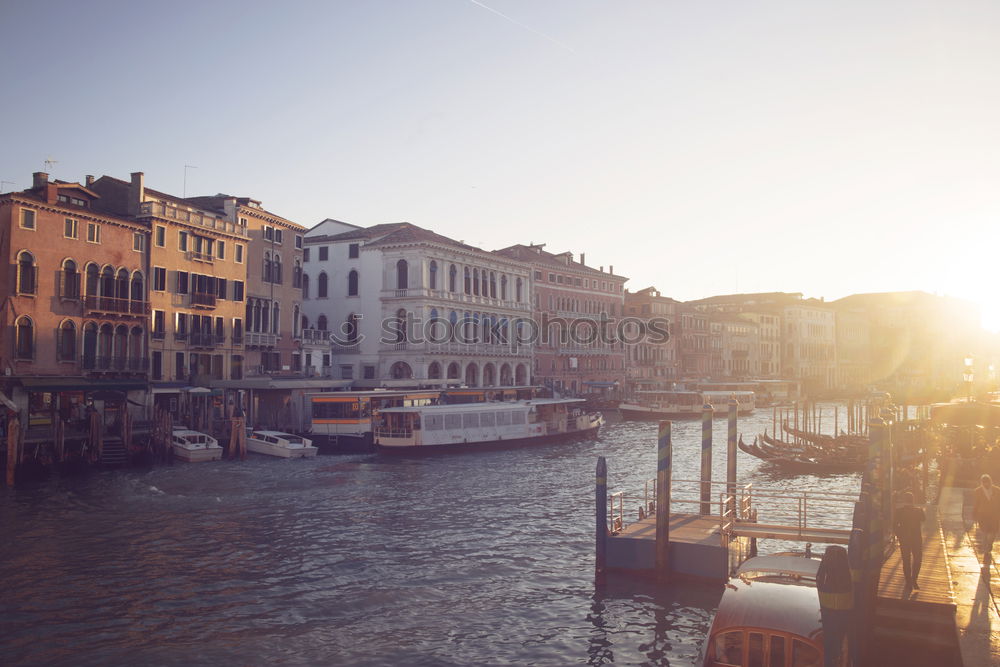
(731, 457)
(601, 516)
(663, 465)
(706, 459)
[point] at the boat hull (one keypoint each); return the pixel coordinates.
(268, 449)
(197, 455)
(651, 415)
(591, 432)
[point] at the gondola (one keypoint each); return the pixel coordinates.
(795, 459)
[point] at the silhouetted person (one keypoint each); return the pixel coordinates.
(986, 512)
(909, 520)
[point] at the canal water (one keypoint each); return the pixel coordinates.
(460, 559)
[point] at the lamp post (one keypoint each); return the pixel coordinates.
(968, 377)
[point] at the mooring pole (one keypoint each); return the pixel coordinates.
(731, 457)
(706, 459)
(601, 515)
(663, 463)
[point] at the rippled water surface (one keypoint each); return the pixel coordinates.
(465, 559)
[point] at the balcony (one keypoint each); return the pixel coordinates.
(158, 335)
(455, 297)
(103, 364)
(460, 349)
(316, 336)
(203, 300)
(256, 339)
(200, 256)
(170, 212)
(199, 339)
(109, 305)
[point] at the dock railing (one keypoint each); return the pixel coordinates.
(625, 508)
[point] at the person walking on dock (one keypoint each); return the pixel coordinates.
(986, 513)
(909, 520)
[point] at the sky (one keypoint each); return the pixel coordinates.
(701, 147)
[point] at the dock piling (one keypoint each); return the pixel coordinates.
(706, 459)
(663, 470)
(731, 456)
(601, 515)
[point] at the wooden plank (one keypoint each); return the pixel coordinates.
(934, 578)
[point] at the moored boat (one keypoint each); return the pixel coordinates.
(194, 446)
(769, 615)
(684, 404)
(283, 445)
(509, 423)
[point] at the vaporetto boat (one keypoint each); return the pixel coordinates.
(510, 423)
(683, 404)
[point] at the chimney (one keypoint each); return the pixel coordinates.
(602, 269)
(136, 192)
(611, 269)
(583, 259)
(39, 179)
(90, 180)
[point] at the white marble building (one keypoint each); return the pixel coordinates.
(460, 308)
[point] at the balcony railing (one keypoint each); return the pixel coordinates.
(257, 339)
(489, 349)
(200, 256)
(205, 340)
(104, 364)
(458, 297)
(158, 335)
(114, 305)
(204, 299)
(316, 335)
(161, 210)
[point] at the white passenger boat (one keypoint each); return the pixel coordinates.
(193, 446)
(510, 423)
(683, 404)
(276, 443)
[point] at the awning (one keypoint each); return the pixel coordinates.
(55, 384)
(966, 414)
(282, 383)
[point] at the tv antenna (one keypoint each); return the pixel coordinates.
(49, 161)
(186, 167)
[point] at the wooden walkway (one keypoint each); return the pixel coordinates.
(935, 574)
(792, 533)
(686, 528)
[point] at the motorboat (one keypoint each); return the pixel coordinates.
(194, 446)
(276, 443)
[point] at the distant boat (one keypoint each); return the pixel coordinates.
(683, 404)
(462, 426)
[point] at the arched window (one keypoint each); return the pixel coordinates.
(276, 318)
(453, 371)
(266, 277)
(305, 322)
(475, 282)
(295, 322)
(120, 346)
(452, 326)
(503, 287)
(69, 280)
(452, 277)
(468, 281)
(305, 285)
(493, 285)
(297, 273)
(105, 346)
(434, 274)
(255, 325)
(517, 291)
(121, 286)
(321, 323)
(352, 283)
(265, 316)
(66, 345)
(138, 293)
(108, 282)
(26, 283)
(434, 371)
(24, 338)
(92, 280)
(135, 356)
(321, 287)
(89, 345)
(402, 274)
(401, 371)
(276, 270)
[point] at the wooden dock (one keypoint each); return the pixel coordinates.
(696, 548)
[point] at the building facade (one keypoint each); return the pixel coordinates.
(75, 300)
(577, 350)
(652, 364)
(405, 306)
(810, 352)
(197, 286)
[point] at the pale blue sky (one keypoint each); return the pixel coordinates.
(704, 147)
